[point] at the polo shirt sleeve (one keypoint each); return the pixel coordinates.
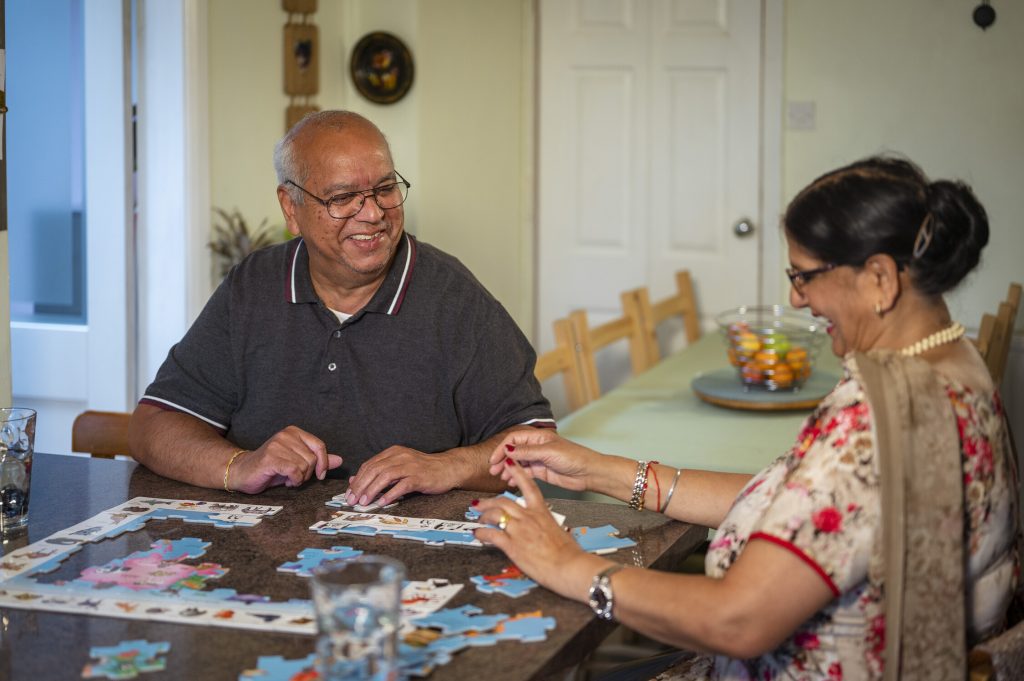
(199, 377)
(498, 389)
(827, 510)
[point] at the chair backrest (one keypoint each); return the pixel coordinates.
(588, 341)
(996, 334)
(101, 433)
(682, 303)
(562, 360)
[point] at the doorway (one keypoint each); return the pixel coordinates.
(656, 119)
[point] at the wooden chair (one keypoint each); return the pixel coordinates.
(683, 303)
(588, 341)
(562, 360)
(995, 334)
(102, 434)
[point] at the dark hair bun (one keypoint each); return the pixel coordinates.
(885, 204)
(959, 232)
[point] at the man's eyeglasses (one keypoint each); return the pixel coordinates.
(346, 205)
(800, 278)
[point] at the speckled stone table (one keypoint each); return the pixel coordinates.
(37, 646)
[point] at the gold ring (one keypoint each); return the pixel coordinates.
(503, 522)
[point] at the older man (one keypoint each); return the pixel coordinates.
(354, 343)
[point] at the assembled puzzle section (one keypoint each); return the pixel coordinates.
(162, 583)
(169, 581)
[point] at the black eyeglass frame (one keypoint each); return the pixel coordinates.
(362, 194)
(800, 278)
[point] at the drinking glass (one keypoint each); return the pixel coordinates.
(17, 439)
(358, 606)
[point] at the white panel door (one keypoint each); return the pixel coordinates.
(649, 143)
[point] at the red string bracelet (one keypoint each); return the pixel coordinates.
(657, 485)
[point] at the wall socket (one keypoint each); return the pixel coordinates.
(801, 115)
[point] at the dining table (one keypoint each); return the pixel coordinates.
(658, 415)
(37, 644)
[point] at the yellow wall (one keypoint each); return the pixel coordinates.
(460, 136)
(917, 77)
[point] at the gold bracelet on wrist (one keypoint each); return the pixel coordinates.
(227, 469)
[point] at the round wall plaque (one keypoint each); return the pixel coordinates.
(381, 68)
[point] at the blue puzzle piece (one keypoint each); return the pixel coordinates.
(126, 660)
(603, 539)
(514, 588)
(277, 668)
(436, 537)
(527, 629)
(311, 558)
(459, 620)
(474, 515)
(204, 517)
(361, 530)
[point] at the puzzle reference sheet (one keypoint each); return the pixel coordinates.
(169, 580)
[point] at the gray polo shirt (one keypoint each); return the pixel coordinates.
(432, 362)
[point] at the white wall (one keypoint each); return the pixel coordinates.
(917, 77)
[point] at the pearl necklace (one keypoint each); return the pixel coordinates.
(947, 335)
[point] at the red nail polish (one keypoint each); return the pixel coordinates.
(474, 502)
(509, 461)
(510, 448)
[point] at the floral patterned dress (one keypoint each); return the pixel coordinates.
(822, 501)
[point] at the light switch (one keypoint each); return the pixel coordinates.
(801, 115)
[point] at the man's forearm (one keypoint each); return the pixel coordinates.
(473, 462)
(179, 446)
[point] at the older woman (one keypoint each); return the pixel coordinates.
(794, 583)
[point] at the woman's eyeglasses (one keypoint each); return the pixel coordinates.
(800, 278)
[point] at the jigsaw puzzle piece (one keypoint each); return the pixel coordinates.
(474, 515)
(460, 620)
(311, 558)
(277, 668)
(528, 628)
(126, 660)
(600, 540)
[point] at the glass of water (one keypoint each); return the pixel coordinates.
(358, 606)
(17, 439)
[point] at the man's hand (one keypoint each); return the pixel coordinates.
(403, 470)
(290, 457)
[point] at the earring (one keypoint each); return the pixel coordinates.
(878, 309)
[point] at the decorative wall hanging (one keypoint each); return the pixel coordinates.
(381, 68)
(301, 60)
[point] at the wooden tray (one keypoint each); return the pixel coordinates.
(722, 387)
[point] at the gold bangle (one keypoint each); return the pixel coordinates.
(227, 469)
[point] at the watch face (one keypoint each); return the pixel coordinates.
(600, 600)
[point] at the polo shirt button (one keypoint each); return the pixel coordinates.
(332, 366)
(337, 334)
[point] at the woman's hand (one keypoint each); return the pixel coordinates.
(546, 456)
(533, 540)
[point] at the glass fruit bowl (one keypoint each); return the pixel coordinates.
(772, 347)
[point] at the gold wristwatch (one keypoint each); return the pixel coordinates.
(600, 598)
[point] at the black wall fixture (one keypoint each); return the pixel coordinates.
(984, 15)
